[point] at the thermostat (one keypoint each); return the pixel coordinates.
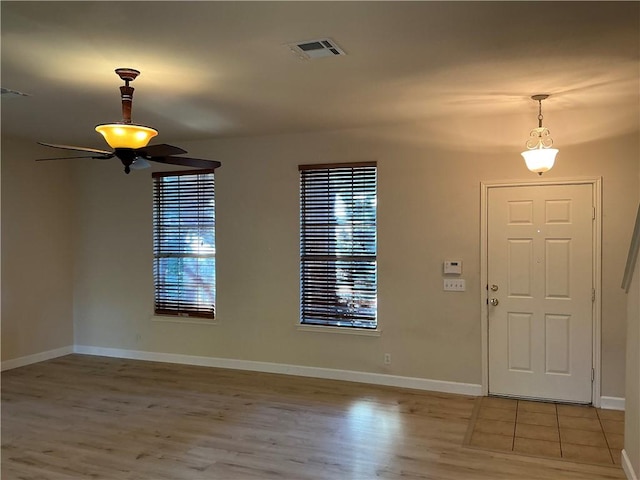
(453, 266)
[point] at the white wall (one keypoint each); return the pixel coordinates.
(429, 199)
(37, 253)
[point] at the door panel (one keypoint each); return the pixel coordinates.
(520, 267)
(558, 344)
(519, 335)
(557, 268)
(540, 255)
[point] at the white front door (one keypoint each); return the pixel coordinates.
(540, 291)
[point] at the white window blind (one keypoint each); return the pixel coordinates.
(338, 248)
(184, 248)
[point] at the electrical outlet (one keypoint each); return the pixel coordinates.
(454, 285)
(387, 359)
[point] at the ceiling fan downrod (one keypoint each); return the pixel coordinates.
(126, 92)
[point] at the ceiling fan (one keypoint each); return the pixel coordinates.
(129, 141)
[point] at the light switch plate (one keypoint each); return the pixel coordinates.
(454, 285)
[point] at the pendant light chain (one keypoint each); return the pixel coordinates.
(539, 113)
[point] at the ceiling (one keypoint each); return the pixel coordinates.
(219, 69)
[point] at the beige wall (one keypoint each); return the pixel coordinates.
(429, 204)
(632, 397)
(37, 253)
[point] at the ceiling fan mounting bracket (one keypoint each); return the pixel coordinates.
(539, 97)
(127, 74)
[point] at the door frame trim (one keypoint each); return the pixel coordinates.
(596, 183)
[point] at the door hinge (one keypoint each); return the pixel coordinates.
(593, 294)
(593, 374)
(593, 214)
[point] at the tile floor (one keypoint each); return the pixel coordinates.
(572, 432)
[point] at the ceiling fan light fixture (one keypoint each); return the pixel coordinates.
(130, 141)
(126, 135)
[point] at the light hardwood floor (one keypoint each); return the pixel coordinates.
(101, 418)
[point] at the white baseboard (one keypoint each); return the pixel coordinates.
(612, 403)
(609, 403)
(35, 358)
(316, 372)
(627, 467)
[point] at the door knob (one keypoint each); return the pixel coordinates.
(494, 288)
(494, 301)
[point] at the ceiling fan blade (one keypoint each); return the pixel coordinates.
(67, 158)
(159, 150)
(79, 149)
(186, 161)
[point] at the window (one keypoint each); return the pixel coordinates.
(338, 265)
(184, 247)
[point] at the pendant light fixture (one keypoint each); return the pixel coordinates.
(539, 155)
(126, 134)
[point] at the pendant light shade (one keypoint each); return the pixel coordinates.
(540, 159)
(539, 156)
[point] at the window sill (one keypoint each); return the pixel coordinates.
(183, 320)
(340, 330)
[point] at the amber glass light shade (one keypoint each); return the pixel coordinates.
(126, 135)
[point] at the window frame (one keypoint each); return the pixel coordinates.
(338, 278)
(165, 246)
